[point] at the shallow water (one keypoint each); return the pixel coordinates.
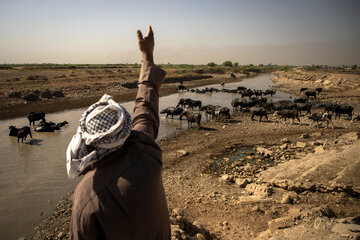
(33, 175)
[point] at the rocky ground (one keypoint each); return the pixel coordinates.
(243, 179)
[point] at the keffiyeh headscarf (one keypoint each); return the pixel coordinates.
(103, 129)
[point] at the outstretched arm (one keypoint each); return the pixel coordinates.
(146, 111)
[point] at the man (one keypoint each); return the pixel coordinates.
(121, 195)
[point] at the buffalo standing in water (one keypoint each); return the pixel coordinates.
(20, 133)
(172, 111)
(191, 117)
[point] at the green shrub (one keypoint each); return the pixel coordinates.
(211, 64)
(227, 64)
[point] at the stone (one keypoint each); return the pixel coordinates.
(260, 190)
(284, 146)
(305, 136)
(178, 212)
(315, 134)
(285, 140)
(21, 238)
(255, 209)
(242, 182)
(280, 223)
(300, 144)
(248, 168)
(225, 178)
(199, 236)
(183, 153)
(319, 149)
(264, 151)
(286, 199)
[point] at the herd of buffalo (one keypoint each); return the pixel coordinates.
(255, 102)
(258, 104)
(42, 126)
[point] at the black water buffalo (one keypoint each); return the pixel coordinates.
(283, 104)
(322, 117)
(183, 101)
(194, 103)
(61, 124)
(209, 110)
(222, 113)
(241, 88)
(182, 88)
(310, 94)
(35, 116)
(319, 90)
(258, 111)
(44, 126)
(172, 111)
(287, 113)
(20, 132)
(343, 109)
(258, 93)
(301, 100)
(247, 93)
(303, 89)
(269, 92)
(329, 107)
(191, 117)
(303, 107)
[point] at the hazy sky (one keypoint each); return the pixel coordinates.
(186, 31)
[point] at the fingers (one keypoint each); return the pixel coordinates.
(150, 33)
(139, 35)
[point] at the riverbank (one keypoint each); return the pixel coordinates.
(51, 90)
(244, 179)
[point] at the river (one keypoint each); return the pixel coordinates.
(33, 177)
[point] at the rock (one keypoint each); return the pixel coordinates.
(21, 238)
(285, 140)
(286, 199)
(280, 223)
(226, 178)
(199, 236)
(284, 146)
(305, 136)
(255, 209)
(183, 153)
(315, 134)
(260, 190)
(264, 151)
(178, 212)
(248, 168)
(300, 144)
(349, 137)
(242, 182)
(323, 211)
(319, 149)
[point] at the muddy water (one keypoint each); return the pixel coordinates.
(33, 177)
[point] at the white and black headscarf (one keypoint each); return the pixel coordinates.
(103, 129)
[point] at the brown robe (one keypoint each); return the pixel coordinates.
(123, 196)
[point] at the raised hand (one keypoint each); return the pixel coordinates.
(146, 45)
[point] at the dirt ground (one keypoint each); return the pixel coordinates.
(218, 184)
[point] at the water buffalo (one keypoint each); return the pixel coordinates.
(258, 111)
(61, 124)
(310, 94)
(343, 109)
(182, 88)
(301, 100)
(303, 89)
(20, 132)
(303, 107)
(269, 92)
(287, 113)
(172, 111)
(247, 93)
(319, 90)
(328, 107)
(35, 116)
(44, 126)
(183, 101)
(222, 113)
(322, 117)
(191, 117)
(209, 110)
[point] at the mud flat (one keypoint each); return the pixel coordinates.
(243, 179)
